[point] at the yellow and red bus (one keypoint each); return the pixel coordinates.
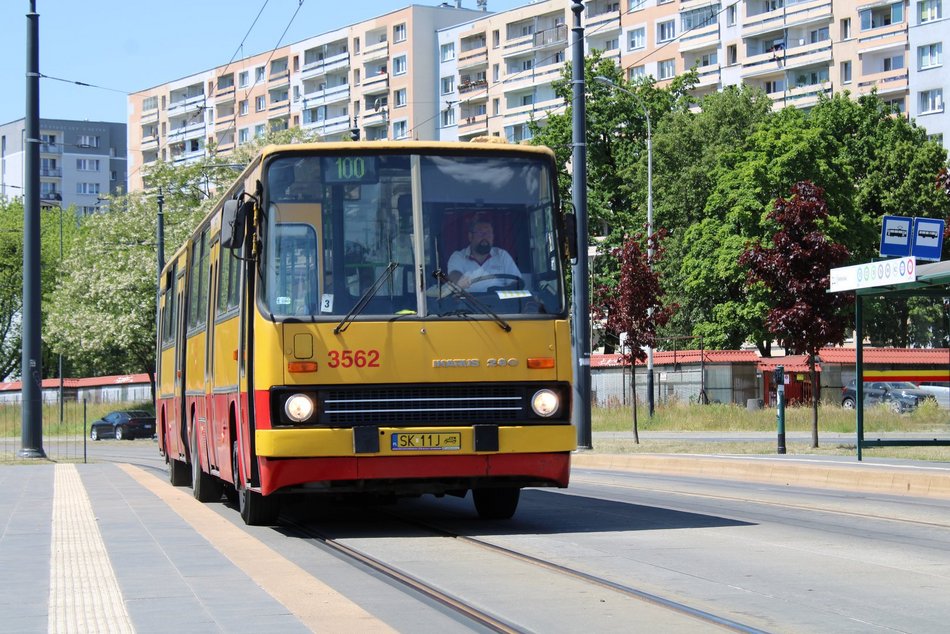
(312, 338)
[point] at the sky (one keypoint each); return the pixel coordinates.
(123, 46)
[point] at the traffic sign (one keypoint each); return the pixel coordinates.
(928, 239)
(896, 236)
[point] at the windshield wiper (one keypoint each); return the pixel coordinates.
(470, 299)
(364, 300)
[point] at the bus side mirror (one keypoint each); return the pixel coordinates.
(570, 231)
(234, 223)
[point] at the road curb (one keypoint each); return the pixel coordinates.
(919, 481)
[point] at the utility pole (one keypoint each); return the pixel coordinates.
(31, 370)
(581, 300)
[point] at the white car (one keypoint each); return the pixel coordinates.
(941, 393)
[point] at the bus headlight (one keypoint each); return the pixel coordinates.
(545, 403)
(298, 407)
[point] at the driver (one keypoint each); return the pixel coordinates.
(481, 265)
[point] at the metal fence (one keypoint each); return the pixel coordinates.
(64, 432)
(679, 384)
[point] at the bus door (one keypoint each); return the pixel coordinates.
(181, 427)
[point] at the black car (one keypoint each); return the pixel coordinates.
(124, 425)
(900, 396)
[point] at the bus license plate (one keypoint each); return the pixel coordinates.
(427, 442)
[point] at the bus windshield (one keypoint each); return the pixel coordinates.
(410, 234)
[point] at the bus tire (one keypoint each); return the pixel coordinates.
(497, 503)
(255, 509)
(204, 486)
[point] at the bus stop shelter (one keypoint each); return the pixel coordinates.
(932, 280)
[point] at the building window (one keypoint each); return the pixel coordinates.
(894, 63)
(846, 72)
(846, 28)
(448, 117)
(399, 98)
(260, 130)
(732, 55)
(495, 38)
(87, 140)
(818, 35)
(495, 72)
(243, 107)
(897, 105)
(447, 52)
(400, 129)
(527, 64)
(260, 103)
(666, 31)
(527, 100)
(936, 138)
(87, 165)
(399, 65)
(448, 84)
(638, 38)
(929, 10)
(666, 69)
(87, 188)
(930, 101)
(258, 74)
(731, 15)
(150, 103)
(610, 45)
(708, 59)
(882, 16)
(399, 32)
(244, 135)
(636, 72)
(929, 55)
(699, 18)
(243, 79)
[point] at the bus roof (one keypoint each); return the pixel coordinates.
(488, 146)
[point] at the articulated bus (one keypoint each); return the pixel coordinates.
(313, 338)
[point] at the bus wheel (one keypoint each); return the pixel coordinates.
(205, 487)
(256, 509)
(496, 504)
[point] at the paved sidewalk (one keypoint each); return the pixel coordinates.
(92, 548)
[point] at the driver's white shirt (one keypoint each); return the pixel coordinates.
(498, 263)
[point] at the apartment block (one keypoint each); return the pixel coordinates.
(376, 77)
(80, 162)
(453, 74)
(929, 35)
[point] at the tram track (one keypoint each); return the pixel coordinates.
(491, 621)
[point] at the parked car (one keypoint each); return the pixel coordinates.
(940, 392)
(124, 425)
(900, 396)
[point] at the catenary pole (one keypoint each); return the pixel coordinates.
(31, 370)
(581, 300)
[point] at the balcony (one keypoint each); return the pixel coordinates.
(51, 172)
(224, 94)
(708, 75)
(149, 143)
(605, 22)
(376, 84)
(278, 78)
(179, 106)
(473, 125)
(885, 82)
(805, 13)
(340, 61)
(376, 52)
(380, 117)
(555, 36)
(332, 94)
(807, 96)
(475, 58)
(697, 39)
(529, 78)
(189, 130)
(330, 125)
(149, 116)
(51, 148)
(882, 36)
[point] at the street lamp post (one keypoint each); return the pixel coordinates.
(646, 113)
